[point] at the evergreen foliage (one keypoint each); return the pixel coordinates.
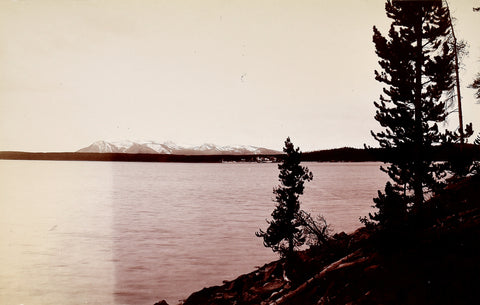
(417, 70)
(476, 85)
(284, 233)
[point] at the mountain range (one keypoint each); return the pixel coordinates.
(151, 147)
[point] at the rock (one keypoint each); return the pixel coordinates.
(162, 302)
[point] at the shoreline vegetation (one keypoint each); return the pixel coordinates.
(344, 154)
(432, 261)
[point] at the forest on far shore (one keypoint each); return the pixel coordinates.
(345, 154)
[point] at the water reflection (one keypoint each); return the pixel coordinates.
(55, 226)
(188, 227)
(135, 233)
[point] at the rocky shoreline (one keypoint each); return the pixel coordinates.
(435, 264)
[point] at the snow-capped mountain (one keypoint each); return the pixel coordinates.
(169, 147)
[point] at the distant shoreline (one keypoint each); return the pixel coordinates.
(345, 154)
(125, 157)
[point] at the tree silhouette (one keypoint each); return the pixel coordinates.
(476, 81)
(284, 232)
(476, 85)
(417, 69)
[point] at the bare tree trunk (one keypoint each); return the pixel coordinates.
(457, 77)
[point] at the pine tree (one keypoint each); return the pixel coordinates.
(417, 69)
(284, 233)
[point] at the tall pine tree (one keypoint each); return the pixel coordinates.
(284, 232)
(417, 70)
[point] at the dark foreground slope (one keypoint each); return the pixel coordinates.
(434, 261)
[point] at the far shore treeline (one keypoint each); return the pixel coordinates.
(345, 154)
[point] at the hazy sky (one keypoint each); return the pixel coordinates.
(225, 72)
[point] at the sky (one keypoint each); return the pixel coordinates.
(226, 72)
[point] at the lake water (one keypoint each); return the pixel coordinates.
(135, 233)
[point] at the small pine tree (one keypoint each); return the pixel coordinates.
(284, 233)
(392, 209)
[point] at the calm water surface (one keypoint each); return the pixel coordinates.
(135, 233)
